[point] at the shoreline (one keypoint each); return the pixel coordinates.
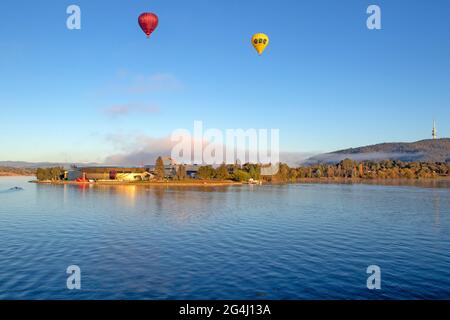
(198, 183)
(224, 183)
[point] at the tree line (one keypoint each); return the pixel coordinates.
(350, 169)
(55, 173)
(233, 172)
(223, 172)
(345, 169)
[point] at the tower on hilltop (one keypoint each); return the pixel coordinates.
(434, 131)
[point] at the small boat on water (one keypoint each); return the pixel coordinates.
(15, 189)
(11, 190)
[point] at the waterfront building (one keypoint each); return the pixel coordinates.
(109, 173)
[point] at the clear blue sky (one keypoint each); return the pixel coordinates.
(326, 81)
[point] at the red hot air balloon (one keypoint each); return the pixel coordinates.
(148, 22)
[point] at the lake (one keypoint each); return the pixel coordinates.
(302, 241)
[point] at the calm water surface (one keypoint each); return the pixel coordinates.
(307, 241)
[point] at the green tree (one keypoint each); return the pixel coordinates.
(206, 172)
(222, 172)
(181, 172)
(56, 173)
(159, 169)
(283, 172)
(40, 174)
(255, 172)
(49, 173)
(241, 175)
(347, 166)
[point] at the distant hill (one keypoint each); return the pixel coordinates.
(425, 151)
(12, 171)
(35, 165)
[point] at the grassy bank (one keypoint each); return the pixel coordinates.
(184, 183)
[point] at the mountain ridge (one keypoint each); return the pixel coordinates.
(428, 150)
(35, 165)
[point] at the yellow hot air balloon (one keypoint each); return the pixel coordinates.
(260, 41)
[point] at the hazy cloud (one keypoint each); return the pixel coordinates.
(295, 159)
(127, 109)
(154, 83)
(136, 150)
(369, 156)
(128, 83)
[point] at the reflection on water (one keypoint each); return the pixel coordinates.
(437, 208)
(420, 183)
(310, 241)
